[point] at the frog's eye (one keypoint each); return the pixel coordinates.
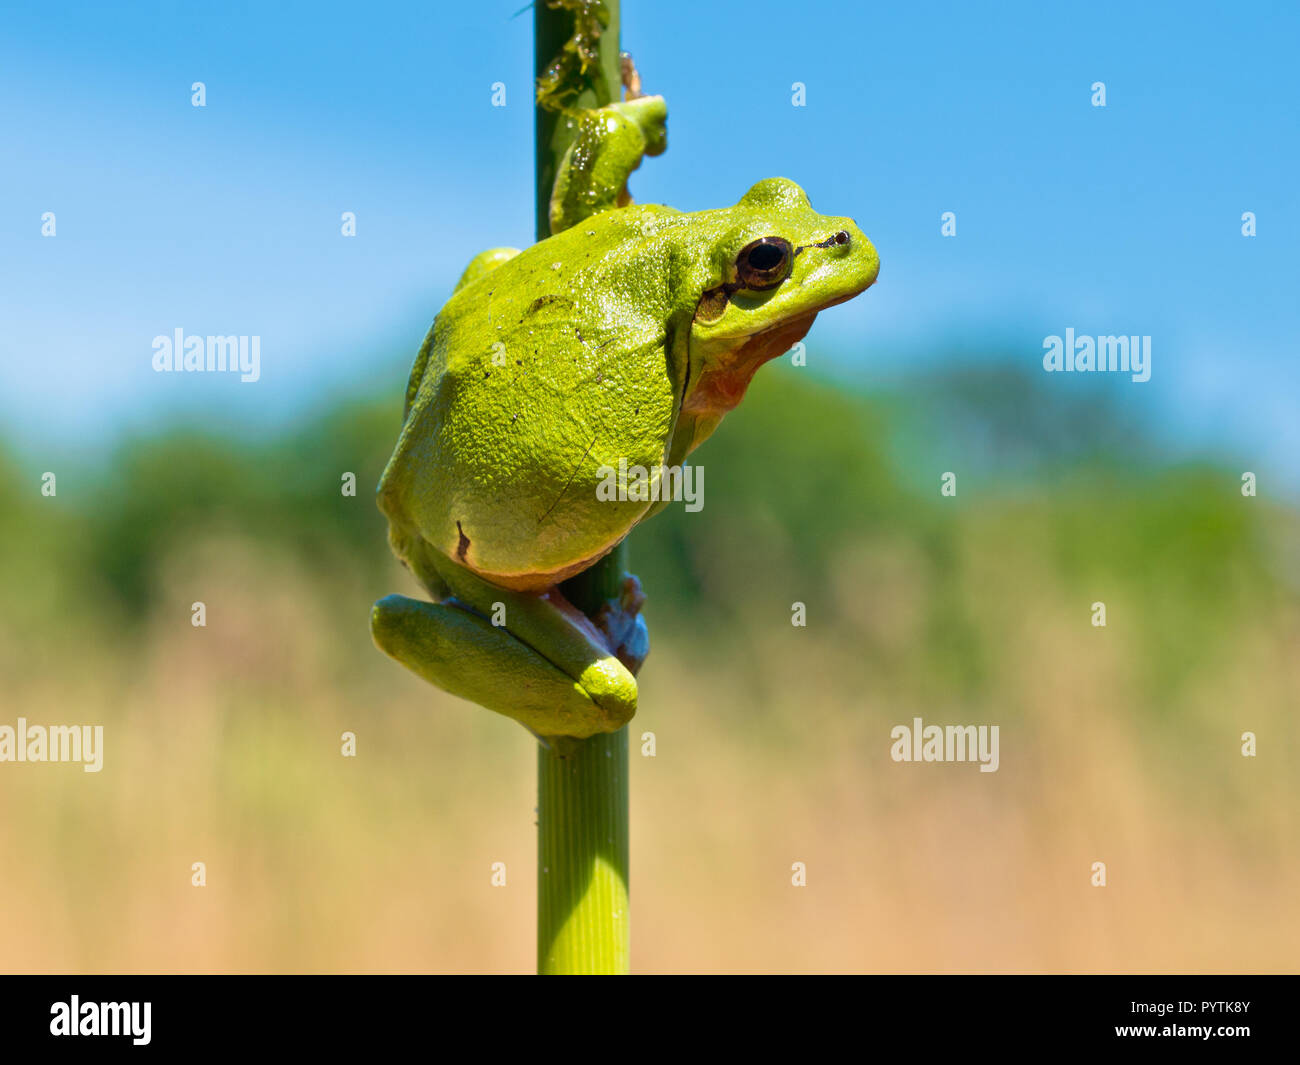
(764, 263)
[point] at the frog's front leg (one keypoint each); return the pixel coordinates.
(611, 141)
(545, 665)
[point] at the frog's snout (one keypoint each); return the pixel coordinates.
(851, 244)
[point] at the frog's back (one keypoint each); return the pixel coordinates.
(536, 380)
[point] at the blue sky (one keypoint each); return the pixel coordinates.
(225, 219)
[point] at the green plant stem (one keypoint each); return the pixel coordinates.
(582, 790)
(582, 854)
(553, 132)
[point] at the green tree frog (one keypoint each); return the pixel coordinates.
(627, 334)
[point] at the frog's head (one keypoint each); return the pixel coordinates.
(775, 263)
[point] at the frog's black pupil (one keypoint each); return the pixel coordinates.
(766, 257)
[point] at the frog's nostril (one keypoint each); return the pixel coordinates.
(840, 238)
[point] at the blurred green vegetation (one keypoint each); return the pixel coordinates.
(800, 477)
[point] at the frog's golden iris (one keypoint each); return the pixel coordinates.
(764, 263)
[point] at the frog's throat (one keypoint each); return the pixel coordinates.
(721, 386)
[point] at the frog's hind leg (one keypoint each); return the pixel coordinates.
(534, 658)
(465, 654)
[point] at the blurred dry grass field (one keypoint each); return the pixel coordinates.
(222, 745)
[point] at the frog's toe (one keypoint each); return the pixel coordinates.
(611, 687)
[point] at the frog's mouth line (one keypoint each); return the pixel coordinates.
(719, 388)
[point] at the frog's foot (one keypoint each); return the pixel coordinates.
(624, 628)
(576, 688)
